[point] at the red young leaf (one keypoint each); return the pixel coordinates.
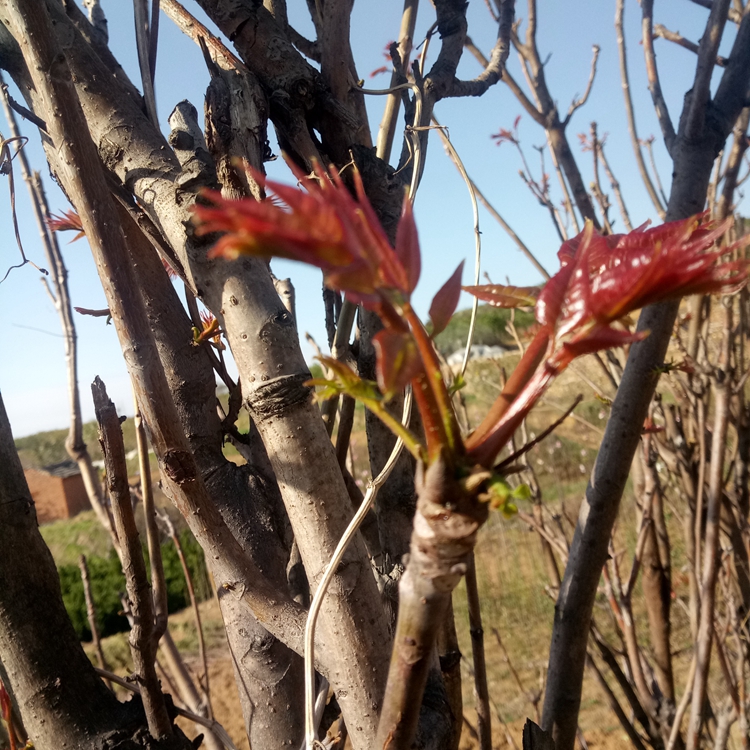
(602, 279)
(445, 301)
(407, 246)
(498, 295)
(398, 360)
(324, 225)
(66, 221)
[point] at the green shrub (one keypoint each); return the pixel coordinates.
(490, 328)
(108, 582)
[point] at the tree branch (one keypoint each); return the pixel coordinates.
(654, 85)
(732, 14)
(142, 643)
(709, 47)
(578, 103)
(493, 70)
(674, 36)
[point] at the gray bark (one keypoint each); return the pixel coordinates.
(269, 674)
(265, 347)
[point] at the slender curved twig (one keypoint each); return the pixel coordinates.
(630, 113)
(6, 167)
(477, 234)
(416, 150)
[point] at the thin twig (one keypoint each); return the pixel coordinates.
(674, 36)
(578, 103)
(158, 582)
(143, 45)
(652, 72)
(630, 112)
(166, 522)
(456, 159)
(91, 614)
(615, 188)
(393, 102)
(538, 439)
(481, 693)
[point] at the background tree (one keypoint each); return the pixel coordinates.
(133, 189)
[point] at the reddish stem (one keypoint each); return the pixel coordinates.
(436, 384)
(520, 376)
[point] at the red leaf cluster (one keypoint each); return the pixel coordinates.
(602, 279)
(324, 226)
(66, 221)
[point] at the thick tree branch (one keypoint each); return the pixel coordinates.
(91, 195)
(493, 69)
(693, 160)
(732, 13)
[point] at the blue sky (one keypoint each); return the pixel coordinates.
(32, 368)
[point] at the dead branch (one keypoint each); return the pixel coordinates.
(142, 644)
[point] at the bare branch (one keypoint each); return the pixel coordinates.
(732, 95)
(674, 36)
(193, 28)
(615, 189)
(392, 104)
(165, 520)
(578, 103)
(158, 582)
(481, 694)
(143, 44)
(654, 85)
(142, 645)
(710, 561)
(91, 614)
(709, 47)
(648, 143)
(493, 70)
(97, 18)
(526, 103)
(309, 49)
(734, 162)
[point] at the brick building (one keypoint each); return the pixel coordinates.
(58, 491)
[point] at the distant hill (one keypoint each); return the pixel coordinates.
(490, 329)
(45, 448)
